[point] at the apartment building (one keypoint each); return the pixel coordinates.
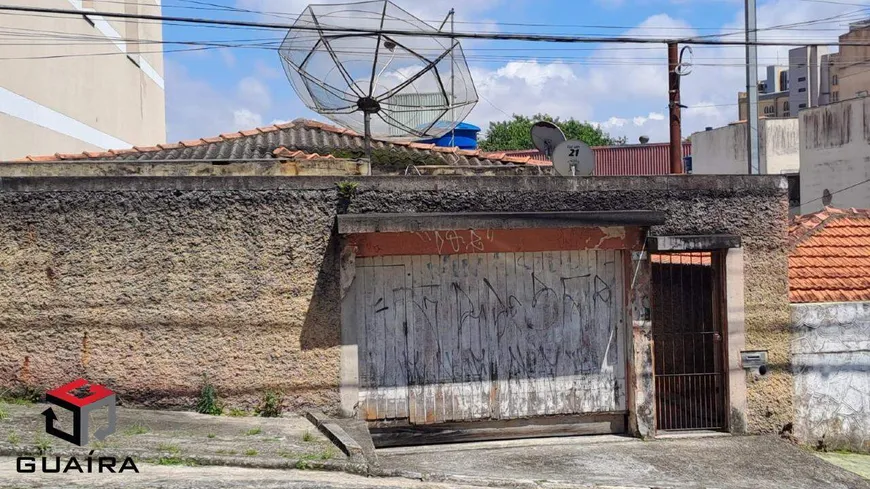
(773, 95)
(848, 71)
(80, 83)
(805, 75)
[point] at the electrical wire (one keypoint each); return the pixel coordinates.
(832, 193)
(444, 35)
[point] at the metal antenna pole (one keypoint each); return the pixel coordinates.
(752, 88)
(452, 82)
(367, 137)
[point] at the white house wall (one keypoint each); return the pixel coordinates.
(831, 361)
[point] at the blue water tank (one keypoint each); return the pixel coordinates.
(464, 136)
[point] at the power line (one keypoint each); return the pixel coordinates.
(832, 193)
(434, 34)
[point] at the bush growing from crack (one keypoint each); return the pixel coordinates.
(346, 190)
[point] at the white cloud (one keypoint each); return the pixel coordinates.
(245, 119)
(254, 92)
(228, 57)
(195, 109)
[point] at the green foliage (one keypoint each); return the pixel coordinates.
(173, 460)
(4, 413)
(14, 438)
(307, 436)
(254, 431)
(325, 454)
(346, 190)
(250, 452)
(515, 134)
(208, 399)
(210, 435)
(43, 445)
(170, 448)
(24, 395)
(270, 406)
(137, 429)
(237, 413)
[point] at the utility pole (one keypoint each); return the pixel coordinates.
(674, 104)
(752, 89)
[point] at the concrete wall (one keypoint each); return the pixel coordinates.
(835, 155)
(88, 95)
(146, 283)
(831, 358)
(722, 151)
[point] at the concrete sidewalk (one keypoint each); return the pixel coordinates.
(723, 462)
(175, 440)
(179, 438)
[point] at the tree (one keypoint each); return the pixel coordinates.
(514, 134)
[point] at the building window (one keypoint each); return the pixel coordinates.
(835, 97)
(835, 80)
(786, 114)
(802, 78)
(802, 106)
(801, 90)
(769, 110)
(785, 107)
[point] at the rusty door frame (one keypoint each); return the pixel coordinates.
(719, 316)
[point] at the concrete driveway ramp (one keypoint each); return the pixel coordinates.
(723, 462)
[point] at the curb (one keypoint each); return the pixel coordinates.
(337, 435)
(350, 467)
(204, 460)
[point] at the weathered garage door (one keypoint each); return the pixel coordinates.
(491, 335)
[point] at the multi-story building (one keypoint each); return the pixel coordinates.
(80, 83)
(848, 72)
(773, 96)
(805, 74)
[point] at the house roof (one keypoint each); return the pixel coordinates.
(314, 139)
(830, 256)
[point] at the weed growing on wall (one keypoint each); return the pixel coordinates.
(346, 190)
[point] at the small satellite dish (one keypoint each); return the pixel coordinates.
(573, 159)
(546, 136)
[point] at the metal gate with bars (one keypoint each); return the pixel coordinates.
(687, 341)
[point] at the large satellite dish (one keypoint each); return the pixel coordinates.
(573, 158)
(393, 87)
(546, 136)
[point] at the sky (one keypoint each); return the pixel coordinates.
(621, 87)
